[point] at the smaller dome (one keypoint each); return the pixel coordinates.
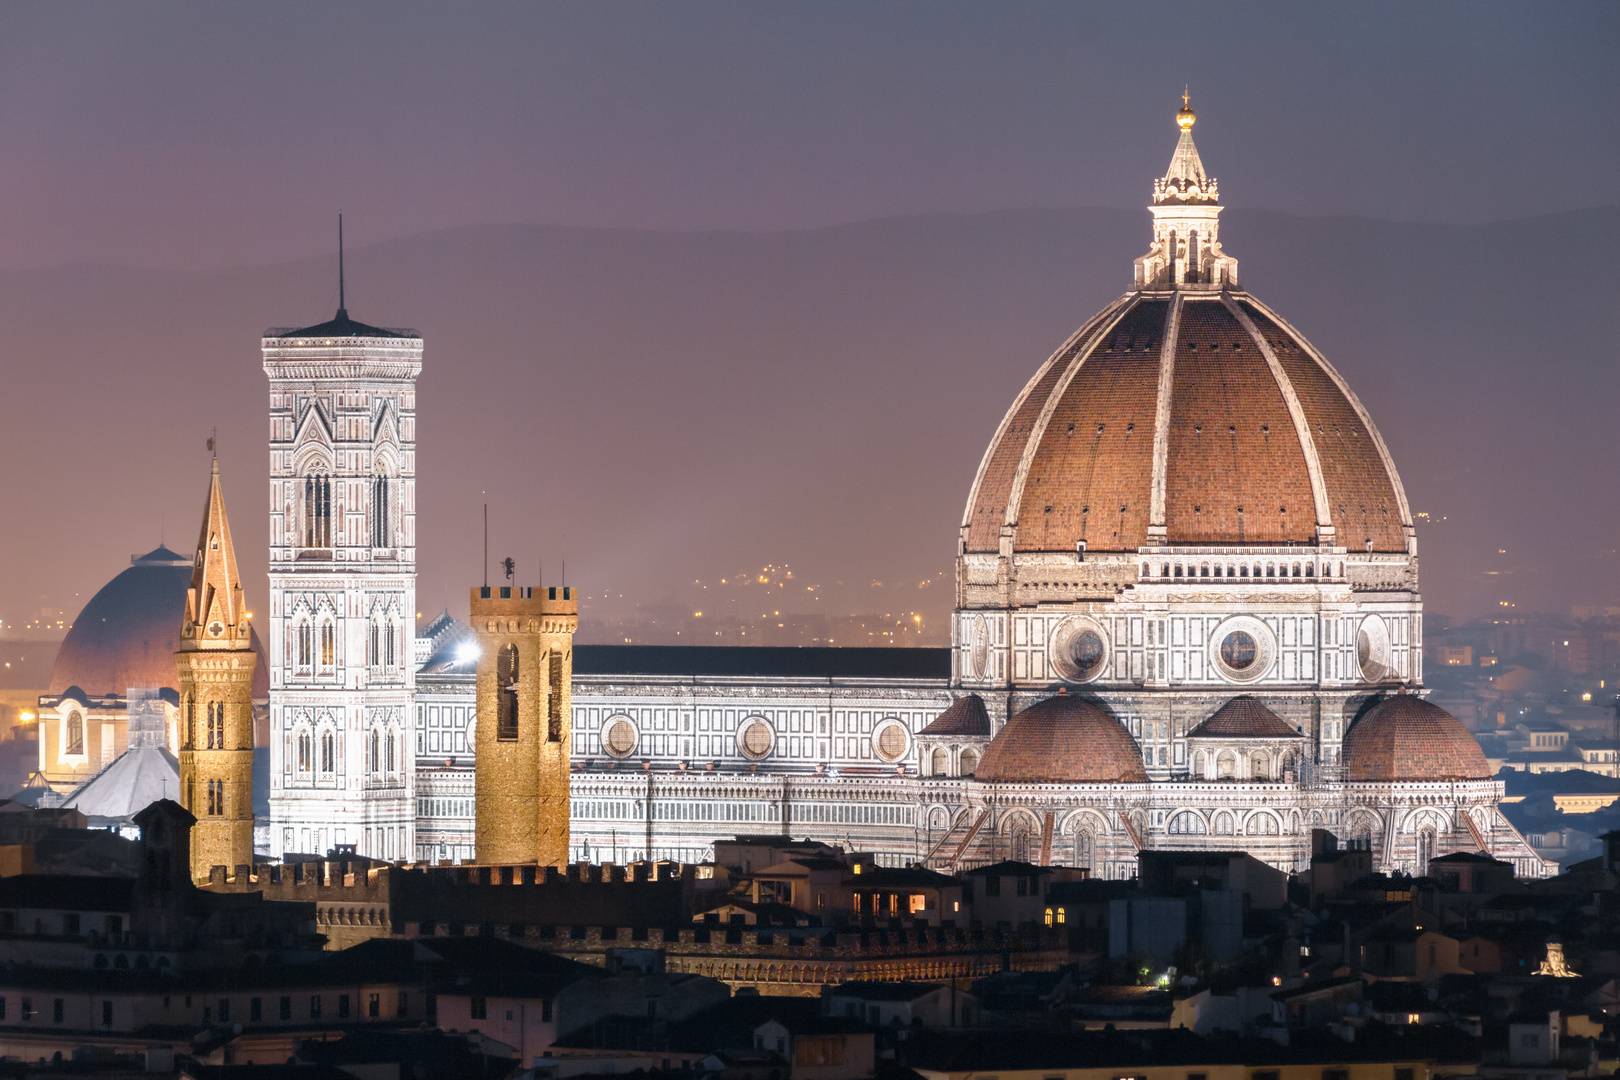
(967, 716)
(1063, 740)
(1244, 718)
(1406, 738)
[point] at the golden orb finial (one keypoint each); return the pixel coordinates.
(1185, 117)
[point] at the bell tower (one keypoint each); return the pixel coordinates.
(521, 740)
(342, 586)
(215, 664)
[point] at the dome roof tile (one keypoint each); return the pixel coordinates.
(1406, 738)
(1244, 717)
(1063, 740)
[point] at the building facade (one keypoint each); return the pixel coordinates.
(342, 586)
(1188, 617)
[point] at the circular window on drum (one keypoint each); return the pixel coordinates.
(891, 741)
(755, 738)
(1079, 649)
(619, 736)
(1242, 649)
(1372, 649)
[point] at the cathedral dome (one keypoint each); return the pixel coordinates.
(128, 633)
(1186, 413)
(1063, 740)
(1406, 738)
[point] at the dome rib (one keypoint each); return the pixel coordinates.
(1393, 477)
(1302, 427)
(981, 522)
(1037, 433)
(1157, 530)
(1405, 738)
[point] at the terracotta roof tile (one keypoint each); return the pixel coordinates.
(1063, 739)
(1244, 717)
(966, 716)
(1406, 738)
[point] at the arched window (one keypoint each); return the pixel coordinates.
(303, 751)
(328, 645)
(1082, 849)
(970, 761)
(388, 642)
(216, 725)
(1261, 825)
(317, 512)
(940, 762)
(382, 533)
(1192, 256)
(374, 762)
(506, 680)
(389, 752)
(373, 651)
(306, 646)
(75, 732)
(188, 727)
(328, 751)
(1425, 850)
(1260, 765)
(1225, 765)
(1187, 823)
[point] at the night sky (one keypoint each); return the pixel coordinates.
(672, 408)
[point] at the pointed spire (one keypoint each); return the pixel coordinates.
(216, 613)
(1185, 180)
(343, 307)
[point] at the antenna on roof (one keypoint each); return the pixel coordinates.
(342, 307)
(486, 545)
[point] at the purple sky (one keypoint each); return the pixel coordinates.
(714, 403)
(209, 135)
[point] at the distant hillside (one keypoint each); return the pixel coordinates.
(659, 408)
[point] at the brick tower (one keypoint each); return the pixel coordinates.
(215, 665)
(525, 673)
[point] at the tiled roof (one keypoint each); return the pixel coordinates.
(1406, 738)
(1235, 465)
(1063, 739)
(731, 660)
(966, 716)
(340, 325)
(1244, 718)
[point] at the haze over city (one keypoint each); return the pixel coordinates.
(706, 292)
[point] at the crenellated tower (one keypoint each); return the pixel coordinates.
(524, 725)
(342, 586)
(215, 664)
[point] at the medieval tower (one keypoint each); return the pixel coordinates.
(215, 664)
(342, 586)
(523, 729)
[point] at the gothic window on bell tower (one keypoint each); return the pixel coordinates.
(382, 535)
(305, 653)
(216, 725)
(316, 512)
(328, 645)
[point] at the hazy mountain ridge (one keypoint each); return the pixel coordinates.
(665, 406)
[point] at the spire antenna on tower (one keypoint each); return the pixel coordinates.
(342, 307)
(1186, 99)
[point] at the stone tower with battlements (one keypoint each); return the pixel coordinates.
(342, 587)
(215, 664)
(523, 728)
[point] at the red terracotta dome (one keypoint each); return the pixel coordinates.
(1406, 738)
(127, 634)
(1261, 441)
(1063, 740)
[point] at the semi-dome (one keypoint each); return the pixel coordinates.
(1186, 413)
(127, 634)
(1063, 740)
(1406, 738)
